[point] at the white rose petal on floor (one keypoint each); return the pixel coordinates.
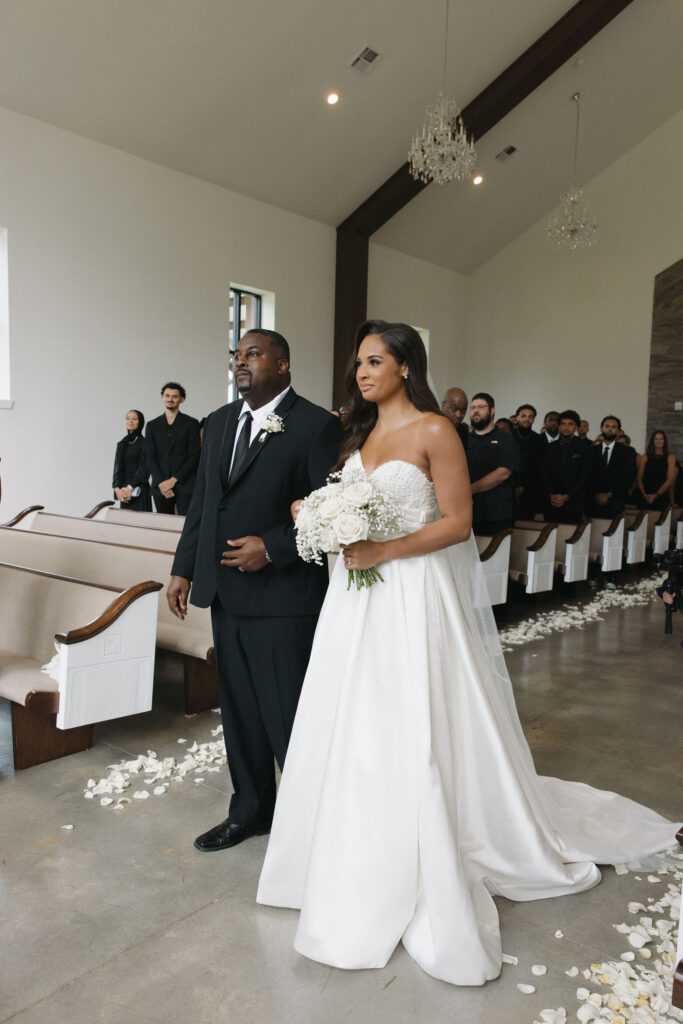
(636, 989)
(200, 757)
(579, 615)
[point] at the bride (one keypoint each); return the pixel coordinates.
(409, 796)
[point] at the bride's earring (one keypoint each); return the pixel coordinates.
(405, 376)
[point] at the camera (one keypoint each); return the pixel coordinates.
(672, 561)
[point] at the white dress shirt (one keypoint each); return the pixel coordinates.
(259, 416)
(607, 448)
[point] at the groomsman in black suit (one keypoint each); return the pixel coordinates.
(612, 470)
(238, 553)
(564, 473)
(531, 448)
(173, 447)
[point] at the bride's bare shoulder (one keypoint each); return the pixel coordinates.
(436, 428)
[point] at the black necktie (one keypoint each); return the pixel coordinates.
(242, 446)
(605, 457)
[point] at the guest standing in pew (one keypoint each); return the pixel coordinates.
(656, 473)
(238, 553)
(612, 470)
(584, 430)
(531, 446)
(173, 449)
(131, 472)
(493, 461)
(565, 473)
(454, 407)
(551, 427)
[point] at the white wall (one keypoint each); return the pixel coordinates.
(403, 289)
(573, 328)
(118, 280)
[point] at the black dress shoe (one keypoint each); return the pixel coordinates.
(228, 834)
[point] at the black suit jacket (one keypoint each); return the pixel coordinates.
(615, 479)
(564, 471)
(180, 457)
(279, 469)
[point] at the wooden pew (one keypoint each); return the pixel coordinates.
(607, 543)
(123, 566)
(660, 524)
(636, 536)
(108, 513)
(494, 555)
(572, 547)
(94, 529)
(105, 666)
(532, 556)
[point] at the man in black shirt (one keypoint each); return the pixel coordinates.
(564, 473)
(527, 490)
(173, 450)
(492, 459)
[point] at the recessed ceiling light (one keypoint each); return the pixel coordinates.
(332, 98)
(477, 179)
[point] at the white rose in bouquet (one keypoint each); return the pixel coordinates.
(329, 491)
(349, 528)
(329, 508)
(305, 519)
(328, 541)
(358, 494)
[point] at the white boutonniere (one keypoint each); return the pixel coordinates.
(273, 424)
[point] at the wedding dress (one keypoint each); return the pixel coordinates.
(409, 795)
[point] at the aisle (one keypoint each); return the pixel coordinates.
(121, 919)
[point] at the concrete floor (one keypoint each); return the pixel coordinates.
(121, 920)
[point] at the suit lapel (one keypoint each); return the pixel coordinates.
(228, 443)
(282, 410)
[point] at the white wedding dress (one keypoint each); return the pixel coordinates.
(409, 794)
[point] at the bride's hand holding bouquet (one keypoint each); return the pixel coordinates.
(350, 514)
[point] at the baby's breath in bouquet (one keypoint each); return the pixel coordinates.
(342, 512)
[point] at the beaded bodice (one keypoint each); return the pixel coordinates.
(406, 484)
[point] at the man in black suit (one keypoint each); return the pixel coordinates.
(173, 448)
(531, 448)
(564, 473)
(238, 552)
(612, 470)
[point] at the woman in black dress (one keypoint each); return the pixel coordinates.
(131, 475)
(656, 473)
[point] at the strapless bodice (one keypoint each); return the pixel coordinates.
(405, 484)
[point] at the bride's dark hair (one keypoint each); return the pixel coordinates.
(406, 346)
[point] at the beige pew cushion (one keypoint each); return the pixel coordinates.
(20, 675)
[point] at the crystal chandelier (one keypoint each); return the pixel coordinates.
(569, 227)
(440, 150)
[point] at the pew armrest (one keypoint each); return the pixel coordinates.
(493, 545)
(22, 515)
(109, 615)
(98, 508)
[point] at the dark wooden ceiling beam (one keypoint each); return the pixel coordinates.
(556, 46)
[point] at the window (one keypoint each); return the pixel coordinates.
(249, 308)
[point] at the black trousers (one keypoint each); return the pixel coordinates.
(179, 504)
(261, 663)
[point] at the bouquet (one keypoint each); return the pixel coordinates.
(343, 512)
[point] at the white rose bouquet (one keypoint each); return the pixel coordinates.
(343, 512)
